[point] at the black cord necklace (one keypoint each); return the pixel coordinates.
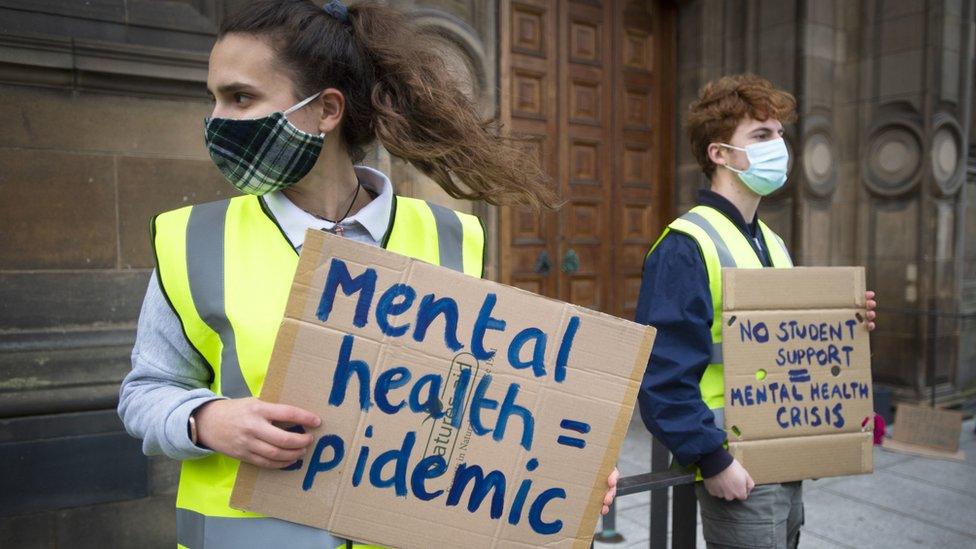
(336, 228)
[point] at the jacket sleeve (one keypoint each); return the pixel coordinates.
(168, 380)
(676, 300)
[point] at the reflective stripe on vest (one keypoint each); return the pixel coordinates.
(197, 530)
(460, 238)
(226, 268)
(723, 246)
(205, 268)
(449, 236)
(725, 258)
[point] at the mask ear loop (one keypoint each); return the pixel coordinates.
(301, 104)
(738, 149)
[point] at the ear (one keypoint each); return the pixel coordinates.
(716, 153)
(333, 107)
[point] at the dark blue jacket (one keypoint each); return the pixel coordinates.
(676, 300)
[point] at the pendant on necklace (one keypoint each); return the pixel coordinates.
(337, 229)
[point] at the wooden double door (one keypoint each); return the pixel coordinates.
(590, 84)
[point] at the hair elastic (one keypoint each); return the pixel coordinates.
(337, 10)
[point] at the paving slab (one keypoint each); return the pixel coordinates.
(957, 476)
(908, 501)
(811, 540)
(884, 459)
(910, 497)
(838, 519)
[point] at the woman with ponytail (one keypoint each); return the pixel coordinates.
(300, 92)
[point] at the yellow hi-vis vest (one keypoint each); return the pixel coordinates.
(723, 246)
(226, 268)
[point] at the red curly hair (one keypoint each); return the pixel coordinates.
(724, 103)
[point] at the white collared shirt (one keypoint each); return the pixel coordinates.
(368, 225)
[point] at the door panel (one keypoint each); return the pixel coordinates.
(582, 86)
(528, 84)
(642, 143)
(584, 54)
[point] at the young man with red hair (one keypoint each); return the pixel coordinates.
(736, 133)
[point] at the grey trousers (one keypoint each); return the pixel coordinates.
(770, 518)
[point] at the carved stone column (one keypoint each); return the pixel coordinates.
(914, 96)
(884, 91)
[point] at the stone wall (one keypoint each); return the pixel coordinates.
(102, 106)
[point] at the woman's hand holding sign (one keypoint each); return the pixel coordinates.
(611, 491)
(242, 429)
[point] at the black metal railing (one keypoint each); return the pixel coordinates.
(683, 504)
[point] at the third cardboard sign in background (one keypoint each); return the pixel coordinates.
(928, 432)
(797, 359)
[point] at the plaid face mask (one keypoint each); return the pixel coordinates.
(261, 155)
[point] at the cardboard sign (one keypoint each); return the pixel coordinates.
(797, 360)
(456, 411)
(928, 427)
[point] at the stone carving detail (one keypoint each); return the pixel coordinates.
(819, 163)
(465, 58)
(946, 156)
(893, 165)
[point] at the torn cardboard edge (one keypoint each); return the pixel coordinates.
(270, 392)
(775, 460)
(584, 536)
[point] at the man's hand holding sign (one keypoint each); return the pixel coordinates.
(453, 409)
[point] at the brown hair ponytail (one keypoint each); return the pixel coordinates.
(397, 90)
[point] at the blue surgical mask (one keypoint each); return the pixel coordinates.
(768, 162)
